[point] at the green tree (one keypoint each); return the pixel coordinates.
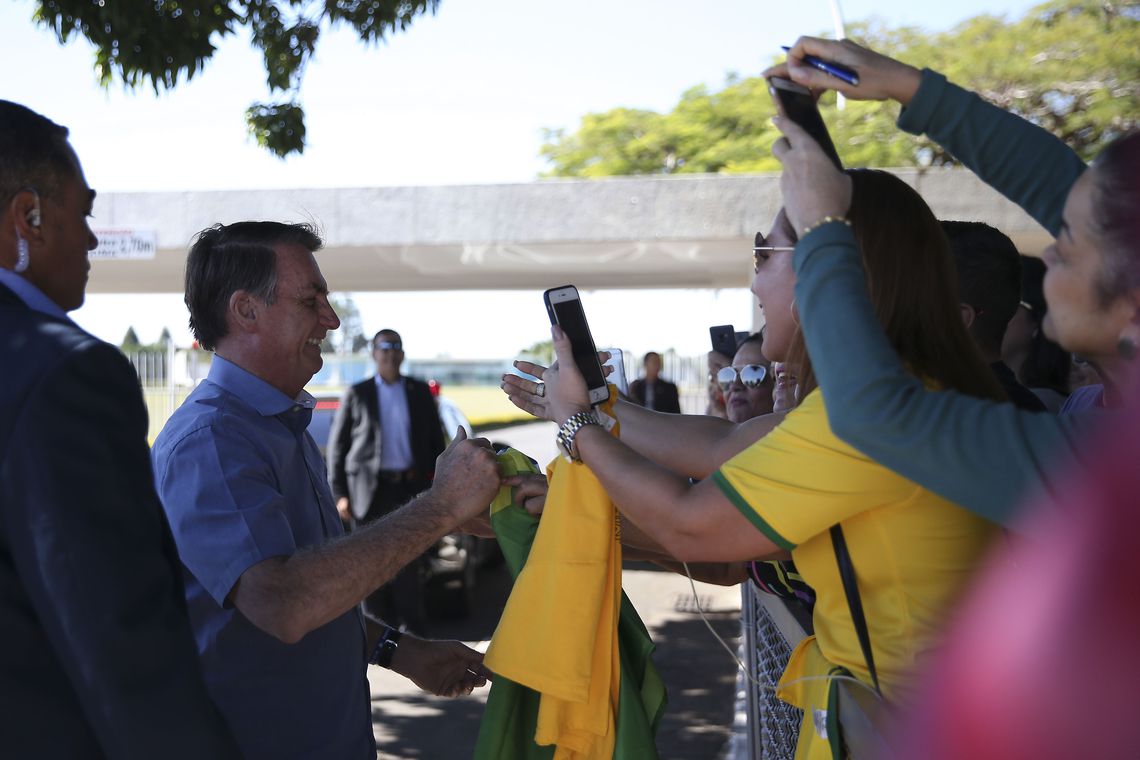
(163, 42)
(542, 352)
(350, 338)
(1072, 66)
(130, 342)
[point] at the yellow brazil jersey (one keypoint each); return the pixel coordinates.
(914, 553)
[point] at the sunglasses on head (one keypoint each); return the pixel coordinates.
(751, 376)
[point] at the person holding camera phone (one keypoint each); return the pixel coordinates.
(778, 483)
(987, 457)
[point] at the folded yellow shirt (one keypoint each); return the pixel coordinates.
(558, 633)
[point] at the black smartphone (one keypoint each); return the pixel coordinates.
(723, 340)
(797, 104)
(564, 306)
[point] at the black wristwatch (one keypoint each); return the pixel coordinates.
(385, 647)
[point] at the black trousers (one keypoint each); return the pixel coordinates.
(399, 602)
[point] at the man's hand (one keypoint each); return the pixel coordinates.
(444, 668)
(530, 493)
(344, 509)
(466, 476)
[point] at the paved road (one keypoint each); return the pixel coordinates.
(699, 674)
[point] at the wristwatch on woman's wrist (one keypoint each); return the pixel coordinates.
(565, 437)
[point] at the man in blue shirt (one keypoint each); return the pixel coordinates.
(273, 584)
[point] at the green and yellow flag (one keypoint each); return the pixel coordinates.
(574, 679)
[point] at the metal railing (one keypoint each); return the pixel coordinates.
(771, 632)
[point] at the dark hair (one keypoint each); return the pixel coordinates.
(651, 353)
(913, 288)
(1116, 199)
(756, 337)
(387, 330)
(34, 153)
(989, 278)
(227, 258)
(1046, 364)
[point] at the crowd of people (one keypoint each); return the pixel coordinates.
(911, 444)
(905, 411)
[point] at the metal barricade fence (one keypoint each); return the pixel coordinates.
(770, 633)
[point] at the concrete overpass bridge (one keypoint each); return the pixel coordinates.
(628, 232)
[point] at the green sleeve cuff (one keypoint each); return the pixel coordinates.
(746, 509)
(916, 117)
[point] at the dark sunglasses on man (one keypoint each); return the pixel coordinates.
(389, 345)
(751, 376)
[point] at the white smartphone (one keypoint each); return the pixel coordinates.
(617, 377)
(564, 306)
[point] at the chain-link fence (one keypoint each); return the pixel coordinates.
(773, 725)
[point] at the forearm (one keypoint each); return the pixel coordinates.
(1022, 161)
(716, 573)
(289, 597)
(685, 443)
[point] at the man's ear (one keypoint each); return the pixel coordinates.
(27, 215)
(968, 314)
(244, 309)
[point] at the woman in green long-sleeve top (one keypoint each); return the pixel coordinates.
(988, 457)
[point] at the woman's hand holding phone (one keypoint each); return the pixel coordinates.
(523, 393)
(566, 391)
(813, 188)
(880, 77)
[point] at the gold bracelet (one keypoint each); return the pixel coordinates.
(826, 220)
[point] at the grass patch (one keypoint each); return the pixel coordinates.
(485, 406)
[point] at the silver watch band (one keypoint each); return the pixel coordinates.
(569, 430)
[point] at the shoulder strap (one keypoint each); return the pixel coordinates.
(854, 602)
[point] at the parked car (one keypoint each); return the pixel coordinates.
(451, 571)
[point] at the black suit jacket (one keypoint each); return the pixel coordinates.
(96, 654)
(354, 441)
(665, 397)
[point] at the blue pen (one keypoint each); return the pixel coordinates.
(840, 72)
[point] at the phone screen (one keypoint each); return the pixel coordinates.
(799, 106)
(572, 319)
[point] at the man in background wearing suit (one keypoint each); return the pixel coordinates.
(652, 391)
(98, 658)
(382, 450)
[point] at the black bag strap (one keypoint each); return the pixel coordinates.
(854, 602)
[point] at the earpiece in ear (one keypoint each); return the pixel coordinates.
(34, 216)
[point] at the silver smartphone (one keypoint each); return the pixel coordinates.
(617, 377)
(564, 306)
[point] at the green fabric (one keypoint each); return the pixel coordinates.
(507, 729)
(984, 456)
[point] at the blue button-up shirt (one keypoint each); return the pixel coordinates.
(242, 481)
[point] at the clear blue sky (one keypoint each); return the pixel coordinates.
(461, 97)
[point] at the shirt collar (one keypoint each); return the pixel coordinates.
(381, 381)
(32, 296)
(263, 397)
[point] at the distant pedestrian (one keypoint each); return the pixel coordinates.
(382, 449)
(652, 391)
